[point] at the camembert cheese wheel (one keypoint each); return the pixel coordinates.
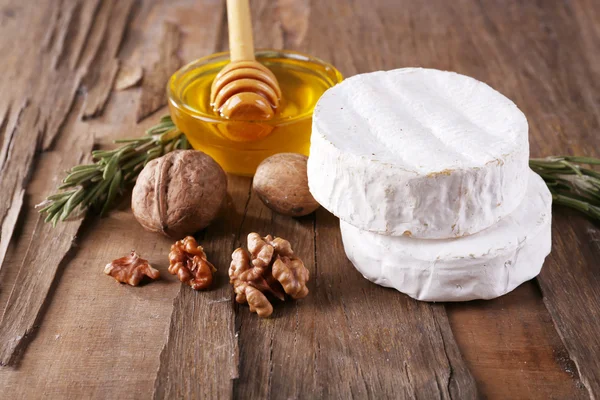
(480, 266)
(418, 152)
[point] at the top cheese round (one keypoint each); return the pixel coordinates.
(418, 152)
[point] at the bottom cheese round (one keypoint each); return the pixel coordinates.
(481, 266)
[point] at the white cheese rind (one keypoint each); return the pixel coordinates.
(419, 152)
(481, 266)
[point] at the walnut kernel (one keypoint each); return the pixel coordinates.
(131, 269)
(269, 267)
(292, 275)
(188, 261)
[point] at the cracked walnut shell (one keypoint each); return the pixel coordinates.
(268, 267)
(131, 269)
(188, 261)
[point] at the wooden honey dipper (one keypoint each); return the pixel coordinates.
(245, 89)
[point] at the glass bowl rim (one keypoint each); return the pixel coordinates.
(177, 103)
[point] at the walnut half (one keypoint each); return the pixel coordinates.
(131, 269)
(270, 267)
(188, 261)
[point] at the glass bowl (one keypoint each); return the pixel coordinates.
(239, 146)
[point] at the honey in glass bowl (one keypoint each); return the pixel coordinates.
(239, 146)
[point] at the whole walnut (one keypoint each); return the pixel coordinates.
(179, 193)
(281, 182)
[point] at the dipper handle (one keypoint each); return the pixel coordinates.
(241, 42)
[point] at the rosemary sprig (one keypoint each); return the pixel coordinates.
(573, 182)
(97, 185)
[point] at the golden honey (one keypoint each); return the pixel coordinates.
(239, 146)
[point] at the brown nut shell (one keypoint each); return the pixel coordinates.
(179, 193)
(281, 182)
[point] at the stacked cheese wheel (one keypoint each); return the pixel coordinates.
(428, 172)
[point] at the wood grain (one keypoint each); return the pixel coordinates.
(398, 351)
(47, 248)
(355, 363)
(45, 254)
(202, 341)
(540, 43)
(95, 338)
(269, 349)
(153, 94)
(516, 332)
(43, 89)
(571, 288)
(121, 344)
(101, 74)
(42, 117)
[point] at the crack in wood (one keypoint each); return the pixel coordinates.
(67, 31)
(570, 303)
(17, 168)
(74, 32)
(460, 383)
(47, 250)
(153, 95)
(194, 312)
(270, 377)
(41, 120)
(105, 64)
(6, 138)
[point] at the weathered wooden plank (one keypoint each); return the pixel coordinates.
(570, 284)
(349, 337)
(271, 348)
(103, 336)
(45, 254)
(10, 221)
(15, 171)
(44, 114)
(153, 94)
(41, 261)
(461, 383)
(100, 339)
(200, 358)
(564, 119)
(55, 85)
(186, 369)
(97, 338)
(105, 65)
(376, 342)
(69, 312)
(516, 332)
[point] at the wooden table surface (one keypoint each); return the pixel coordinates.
(68, 331)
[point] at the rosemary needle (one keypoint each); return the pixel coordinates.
(100, 183)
